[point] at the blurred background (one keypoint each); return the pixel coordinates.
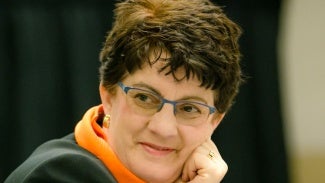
(302, 79)
(273, 134)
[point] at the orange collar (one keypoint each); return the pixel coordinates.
(90, 136)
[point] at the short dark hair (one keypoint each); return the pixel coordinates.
(196, 33)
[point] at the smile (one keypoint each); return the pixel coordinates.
(156, 150)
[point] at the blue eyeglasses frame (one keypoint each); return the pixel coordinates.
(164, 101)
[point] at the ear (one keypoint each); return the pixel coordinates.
(217, 119)
(106, 98)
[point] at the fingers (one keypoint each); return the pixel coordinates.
(205, 165)
(189, 170)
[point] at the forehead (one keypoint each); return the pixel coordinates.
(167, 85)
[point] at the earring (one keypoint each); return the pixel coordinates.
(106, 120)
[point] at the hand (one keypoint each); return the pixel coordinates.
(204, 165)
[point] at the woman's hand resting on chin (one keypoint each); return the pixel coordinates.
(204, 165)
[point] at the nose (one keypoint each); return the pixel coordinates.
(165, 101)
(164, 123)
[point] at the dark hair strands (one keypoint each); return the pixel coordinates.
(196, 33)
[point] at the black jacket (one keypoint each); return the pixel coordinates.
(61, 160)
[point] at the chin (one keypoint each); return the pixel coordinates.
(159, 176)
(161, 179)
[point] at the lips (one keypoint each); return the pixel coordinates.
(156, 150)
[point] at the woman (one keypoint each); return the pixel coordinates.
(169, 72)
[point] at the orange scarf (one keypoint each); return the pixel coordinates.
(90, 136)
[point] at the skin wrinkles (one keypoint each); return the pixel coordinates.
(137, 142)
(155, 91)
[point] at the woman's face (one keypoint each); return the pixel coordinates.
(155, 147)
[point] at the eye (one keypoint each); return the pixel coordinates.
(189, 108)
(144, 99)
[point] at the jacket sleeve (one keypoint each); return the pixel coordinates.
(59, 161)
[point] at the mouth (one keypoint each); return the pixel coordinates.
(156, 150)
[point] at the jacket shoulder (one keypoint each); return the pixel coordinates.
(61, 160)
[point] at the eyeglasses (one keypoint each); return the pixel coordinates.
(147, 103)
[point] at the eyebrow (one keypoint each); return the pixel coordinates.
(143, 85)
(185, 98)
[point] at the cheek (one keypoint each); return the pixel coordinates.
(123, 128)
(124, 120)
(120, 108)
(194, 136)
